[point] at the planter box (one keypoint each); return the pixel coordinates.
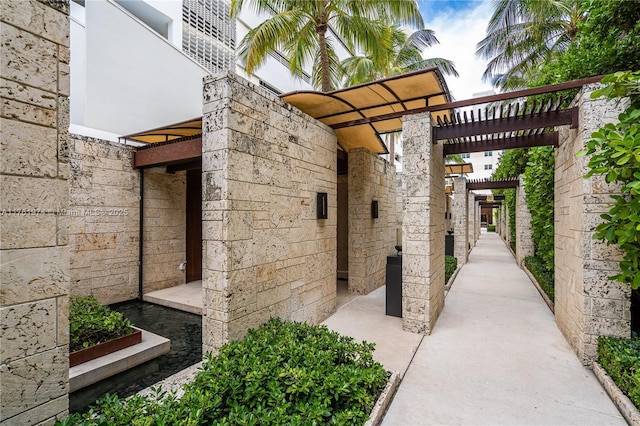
(105, 348)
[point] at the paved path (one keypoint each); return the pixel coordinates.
(496, 357)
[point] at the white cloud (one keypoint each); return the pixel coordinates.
(459, 31)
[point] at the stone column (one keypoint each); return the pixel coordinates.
(460, 214)
(507, 226)
(265, 251)
(423, 226)
(524, 238)
(587, 303)
(371, 240)
(34, 266)
(471, 219)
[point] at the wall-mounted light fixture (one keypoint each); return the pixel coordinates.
(322, 207)
(374, 209)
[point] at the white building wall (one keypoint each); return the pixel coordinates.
(129, 78)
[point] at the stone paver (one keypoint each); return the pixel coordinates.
(496, 357)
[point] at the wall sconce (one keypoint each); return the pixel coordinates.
(374, 209)
(321, 205)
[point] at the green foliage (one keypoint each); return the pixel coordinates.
(491, 228)
(542, 274)
(621, 360)
(450, 265)
(608, 40)
(91, 323)
(539, 187)
(512, 164)
(615, 154)
(282, 373)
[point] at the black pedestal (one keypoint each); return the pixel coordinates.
(394, 286)
(448, 244)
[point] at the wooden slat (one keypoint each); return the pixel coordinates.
(492, 144)
(492, 184)
(165, 154)
(510, 124)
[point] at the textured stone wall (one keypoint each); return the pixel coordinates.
(164, 229)
(423, 226)
(265, 252)
(524, 238)
(460, 214)
(471, 218)
(370, 240)
(587, 303)
(34, 256)
(400, 191)
(104, 218)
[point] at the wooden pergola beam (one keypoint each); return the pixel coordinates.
(170, 153)
(492, 144)
(507, 124)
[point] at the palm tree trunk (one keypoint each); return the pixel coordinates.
(321, 29)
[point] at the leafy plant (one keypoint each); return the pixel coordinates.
(615, 154)
(621, 360)
(450, 265)
(542, 274)
(491, 228)
(281, 373)
(539, 187)
(91, 323)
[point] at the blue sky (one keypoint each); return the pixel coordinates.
(459, 25)
(433, 7)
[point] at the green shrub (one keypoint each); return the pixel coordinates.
(621, 360)
(281, 373)
(450, 265)
(91, 323)
(491, 228)
(545, 277)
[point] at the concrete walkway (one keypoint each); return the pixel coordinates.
(496, 357)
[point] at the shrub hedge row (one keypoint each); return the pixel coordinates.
(545, 278)
(621, 360)
(282, 373)
(450, 265)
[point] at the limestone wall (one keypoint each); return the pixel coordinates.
(587, 303)
(524, 232)
(103, 217)
(461, 213)
(423, 226)
(34, 256)
(265, 252)
(164, 229)
(370, 240)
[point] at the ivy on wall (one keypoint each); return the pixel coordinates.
(615, 154)
(539, 187)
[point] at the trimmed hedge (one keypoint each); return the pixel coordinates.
(491, 228)
(282, 373)
(450, 265)
(545, 278)
(621, 360)
(91, 323)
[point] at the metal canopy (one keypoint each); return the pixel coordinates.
(457, 169)
(357, 113)
(185, 129)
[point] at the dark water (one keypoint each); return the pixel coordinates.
(182, 328)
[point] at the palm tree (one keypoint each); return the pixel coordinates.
(522, 34)
(395, 53)
(300, 30)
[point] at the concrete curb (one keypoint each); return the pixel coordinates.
(548, 301)
(378, 411)
(624, 404)
(449, 283)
